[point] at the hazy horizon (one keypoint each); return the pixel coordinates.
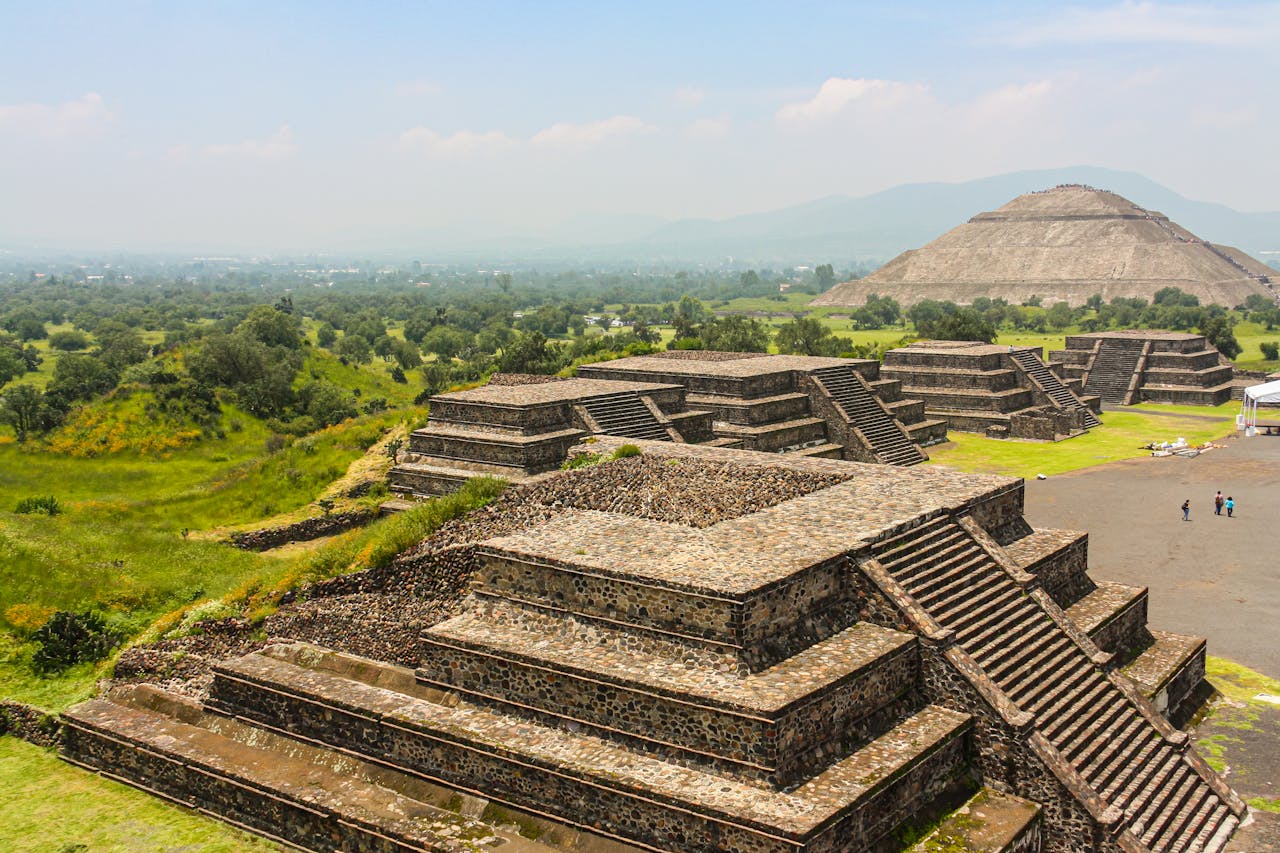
(306, 127)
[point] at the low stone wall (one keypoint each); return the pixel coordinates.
(604, 804)
(782, 747)
(309, 825)
(29, 724)
(301, 531)
(491, 417)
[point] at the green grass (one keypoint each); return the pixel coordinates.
(1121, 436)
(371, 380)
(50, 806)
(118, 546)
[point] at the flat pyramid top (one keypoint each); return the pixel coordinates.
(1066, 200)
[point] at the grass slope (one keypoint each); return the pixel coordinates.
(119, 547)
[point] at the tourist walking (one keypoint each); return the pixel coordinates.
(1231, 506)
(1218, 500)
(1186, 510)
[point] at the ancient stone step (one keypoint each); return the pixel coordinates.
(1168, 671)
(274, 786)
(625, 415)
(781, 724)
(988, 822)
(852, 396)
(587, 780)
(1011, 637)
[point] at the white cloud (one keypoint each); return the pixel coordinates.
(418, 88)
(85, 114)
(1149, 22)
(274, 147)
(839, 93)
(689, 96)
(715, 127)
(461, 142)
(587, 134)
(1012, 99)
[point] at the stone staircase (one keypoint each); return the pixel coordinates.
(862, 409)
(1052, 385)
(1112, 369)
(1127, 754)
(625, 415)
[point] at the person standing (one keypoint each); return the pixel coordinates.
(1186, 510)
(1231, 506)
(1217, 503)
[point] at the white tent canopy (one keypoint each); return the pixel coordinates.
(1267, 392)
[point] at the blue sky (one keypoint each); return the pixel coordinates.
(325, 125)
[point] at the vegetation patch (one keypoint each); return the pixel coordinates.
(46, 504)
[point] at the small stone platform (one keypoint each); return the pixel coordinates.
(1001, 391)
(1147, 365)
(833, 407)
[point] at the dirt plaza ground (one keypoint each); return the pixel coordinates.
(1214, 576)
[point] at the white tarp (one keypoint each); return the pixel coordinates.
(1267, 392)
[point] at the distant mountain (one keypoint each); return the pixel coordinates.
(880, 226)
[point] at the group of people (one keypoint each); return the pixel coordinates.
(1219, 504)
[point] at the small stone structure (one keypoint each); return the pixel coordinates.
(1002, 391)
(851, 647)
(838, 408)
(520, 427)
(1140, 365)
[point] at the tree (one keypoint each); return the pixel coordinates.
(646, 335)
(824, 276)
(120, 346)
(326, 403)
(406, 355)
(273, 327)
(446, 342)
(965, 324)
(81, 377)
(69, 341)
(355, 348)
(1218, 331)
(1059, 316)
(735, 333)
(25, 408)
(325, 335)
(531, 353)
(807, 336)
(11, 364)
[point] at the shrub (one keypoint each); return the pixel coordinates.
(626, 450)
(1270, 350)
(47, 504)
(581, 460)
(71, 638)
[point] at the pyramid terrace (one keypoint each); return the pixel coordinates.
(803, 654)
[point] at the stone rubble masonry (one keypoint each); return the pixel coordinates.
(691, 649)
(979, 387)
(1179, 367)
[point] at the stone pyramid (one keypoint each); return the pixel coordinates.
(1066, 243)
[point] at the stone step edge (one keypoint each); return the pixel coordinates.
(709, 700)
(802, 826)
(75, 719)
(1107, 603)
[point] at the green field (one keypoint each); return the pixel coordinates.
(49, 806)
(1121, 436)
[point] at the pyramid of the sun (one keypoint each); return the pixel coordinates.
(1066, 243)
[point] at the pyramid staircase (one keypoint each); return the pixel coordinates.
(625, 415)
(1129, 757)
(1111, 372)
(1053, 386)
(864, 411)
